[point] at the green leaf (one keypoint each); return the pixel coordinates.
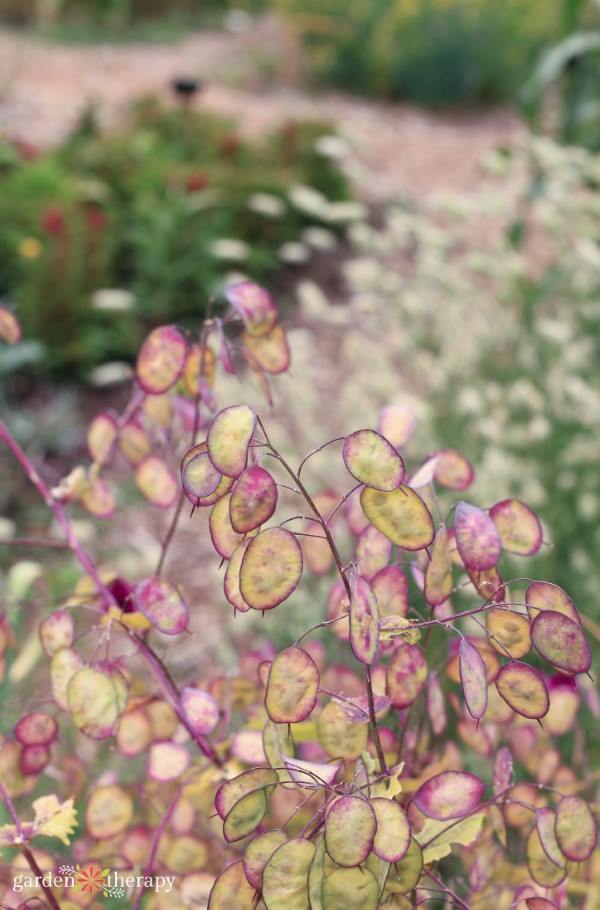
(437, 838)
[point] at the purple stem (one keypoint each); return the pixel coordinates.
(159, 833)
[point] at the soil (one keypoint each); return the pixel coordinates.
(253, 76)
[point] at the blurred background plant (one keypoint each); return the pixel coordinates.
(112, 233)
(433, 52)
(562, 95)
(480, 315)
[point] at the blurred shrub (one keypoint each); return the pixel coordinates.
(495, 305)
(434, 52)
(164, 211)
(562, 95)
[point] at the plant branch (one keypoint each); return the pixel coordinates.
(340, 567)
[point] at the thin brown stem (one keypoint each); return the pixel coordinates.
(340, 567)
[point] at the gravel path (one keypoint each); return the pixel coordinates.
(397, 150)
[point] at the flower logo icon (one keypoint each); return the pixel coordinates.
(90, 879)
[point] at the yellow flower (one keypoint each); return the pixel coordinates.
(29, 248)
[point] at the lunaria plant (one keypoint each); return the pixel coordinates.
(404, 751)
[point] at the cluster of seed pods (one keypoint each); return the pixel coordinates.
(380, 800)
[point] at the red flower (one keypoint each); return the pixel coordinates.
(53, 221)
(26, 149)
(197, 182)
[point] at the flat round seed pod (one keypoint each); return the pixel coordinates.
(200, 709)
(477, 538)
(98, 500)
(156, 481)
(372, 460)
(161, 359)
(224, 538)
(232, 889)
(231, 582)
(545, 820)
(270, 350)
(245, 816)
(350, 827)
(338, 737)
(229, 437)
(350, 889)
(543, 871)
(397, 423)
(134, 444)
(473, 677)
(542, 595)
(285, 877)
(451, 794)
(199, 477)
(392, 838)
(453, 470)
(258, 853)
(101, 437)
(406, 675)
(390, 586)
(271, 568)
(57, 631)
(523, 688)
(63, 666)
(373, 551)
(234, 789)
(108, 812)
(134, 733)
(253, 500)
(575, 827)
(254, 304)
(400, 515)
(34, 759)
(561, 642)
(510, 631)
(405, 875)
(438, 573)
(36, 729)
(93, 702)
(167, 761)
(292, 687)
(364, 621)
(519, 527)
(162, 604)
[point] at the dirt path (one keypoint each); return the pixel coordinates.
(397, 150)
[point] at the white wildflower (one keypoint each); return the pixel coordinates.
(114, 300)
(266, 204)
(345, 212)
(331, 147)
(308, 200)
(229, 248)
(319, 238)
(112, 373)
(293, 253)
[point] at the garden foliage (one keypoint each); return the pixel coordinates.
(433, 52)
(403, 749)
(160, 212)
